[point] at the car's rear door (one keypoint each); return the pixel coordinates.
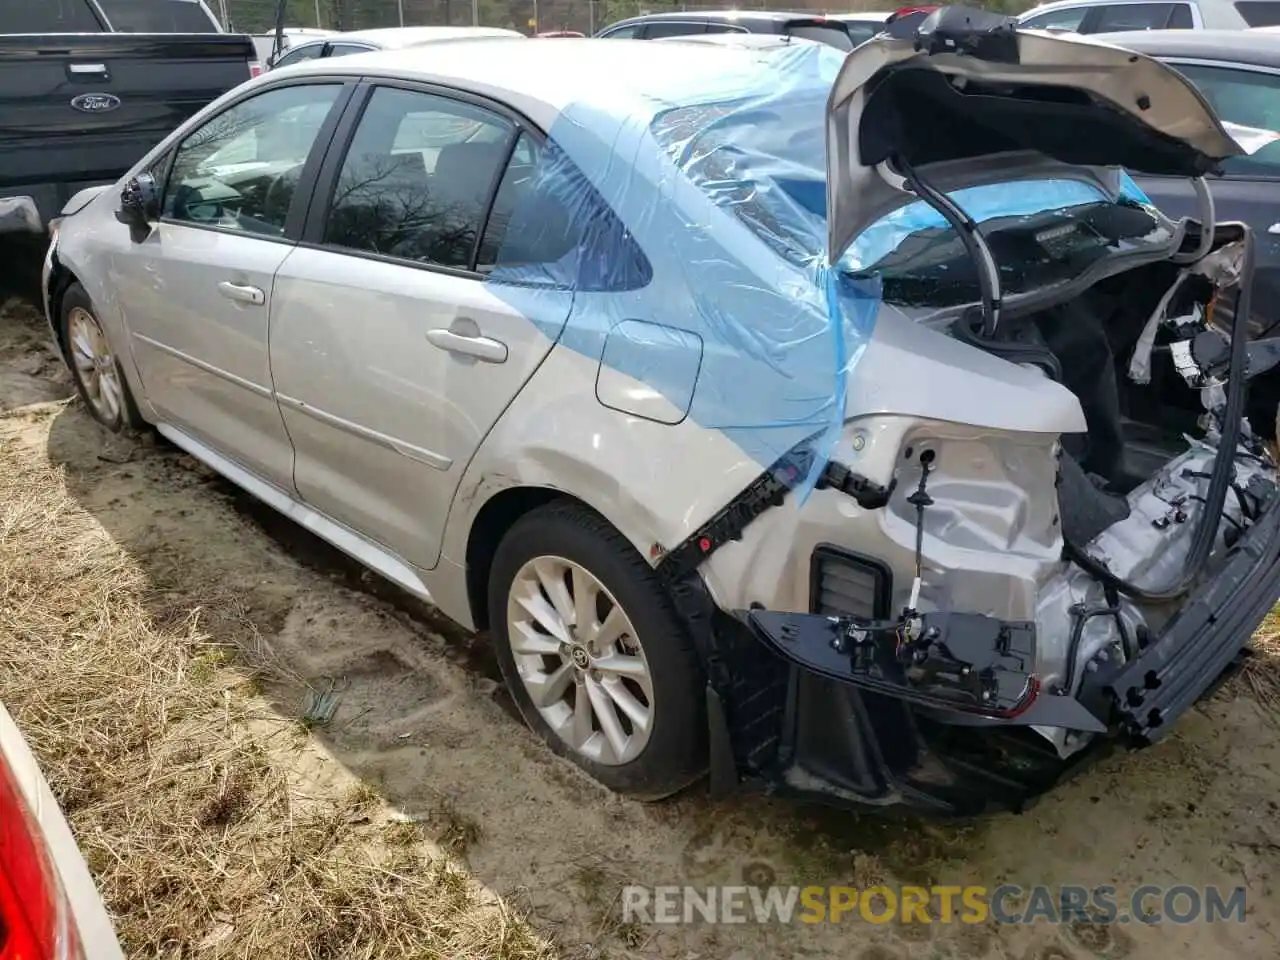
(394, 350)
(1249, 189)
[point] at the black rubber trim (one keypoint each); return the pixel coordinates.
(766, 491)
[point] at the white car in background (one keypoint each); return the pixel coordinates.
(1116, 16)
(387, 38)
(49, 906)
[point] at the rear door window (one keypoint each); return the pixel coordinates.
(1260, 13)
(1069, 18)
(158, 16)
(672, 28)
(1246, 97)
(832, 33)
(48, 16)
(1181, 18)
(1116, 17)
(345, 49)
(417, 178)
(628, 32)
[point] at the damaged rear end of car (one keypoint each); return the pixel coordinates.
(1048, 524)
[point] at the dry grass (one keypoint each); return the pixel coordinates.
(1262, 672)
(176, 779)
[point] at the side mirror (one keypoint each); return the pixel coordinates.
(139, 203)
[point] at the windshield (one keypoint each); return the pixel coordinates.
(767, 164)
(158, 16)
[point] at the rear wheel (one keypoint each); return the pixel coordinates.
(594, 655)
(94, 367)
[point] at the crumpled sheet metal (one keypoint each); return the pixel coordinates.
(753, 339)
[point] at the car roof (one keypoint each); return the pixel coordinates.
(773, 16)
(757, 41)
(542, 79)
(872, 16)
(1256, 48)
(389, 38)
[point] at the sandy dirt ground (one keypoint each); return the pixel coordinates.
(421, 720)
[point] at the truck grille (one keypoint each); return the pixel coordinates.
(845, 584)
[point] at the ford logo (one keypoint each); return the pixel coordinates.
(95, 102)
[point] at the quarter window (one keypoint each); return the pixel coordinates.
(239, 170)
(550, 228)
(345, 49)
(417, 179)
(308, 51)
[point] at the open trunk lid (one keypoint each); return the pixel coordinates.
(961, 85)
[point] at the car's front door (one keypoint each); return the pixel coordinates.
(196, 293)
(394, 349)
(1249, 188)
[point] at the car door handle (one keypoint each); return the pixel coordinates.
(482, 348)
(242, 292)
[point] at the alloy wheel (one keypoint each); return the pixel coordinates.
(95, 365)
(580, 660)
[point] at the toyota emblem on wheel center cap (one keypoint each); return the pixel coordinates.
(95, 102)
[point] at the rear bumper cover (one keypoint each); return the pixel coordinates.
(800, 719)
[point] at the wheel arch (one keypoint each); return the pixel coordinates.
(498, 515)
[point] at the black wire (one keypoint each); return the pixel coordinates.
(1083, 616)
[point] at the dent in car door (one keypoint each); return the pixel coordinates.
(392, 355)
(196, 294)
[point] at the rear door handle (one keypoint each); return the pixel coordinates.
(242, 293)
(482, 348)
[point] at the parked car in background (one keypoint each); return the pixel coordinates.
(290, 37)
(560, 33)
(862, 26)
(826, 30)
(49, 906)
(86, 89)
(1111, 16)
(543, 333)
(386, 38)
(1239, 74)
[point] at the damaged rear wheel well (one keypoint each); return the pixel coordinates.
(493, 521)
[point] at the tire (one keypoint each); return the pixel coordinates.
(659, 757)
(94, 365)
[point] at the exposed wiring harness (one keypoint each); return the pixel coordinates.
(1223, 475)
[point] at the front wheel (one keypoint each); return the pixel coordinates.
(94, 367)
(594, 654)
